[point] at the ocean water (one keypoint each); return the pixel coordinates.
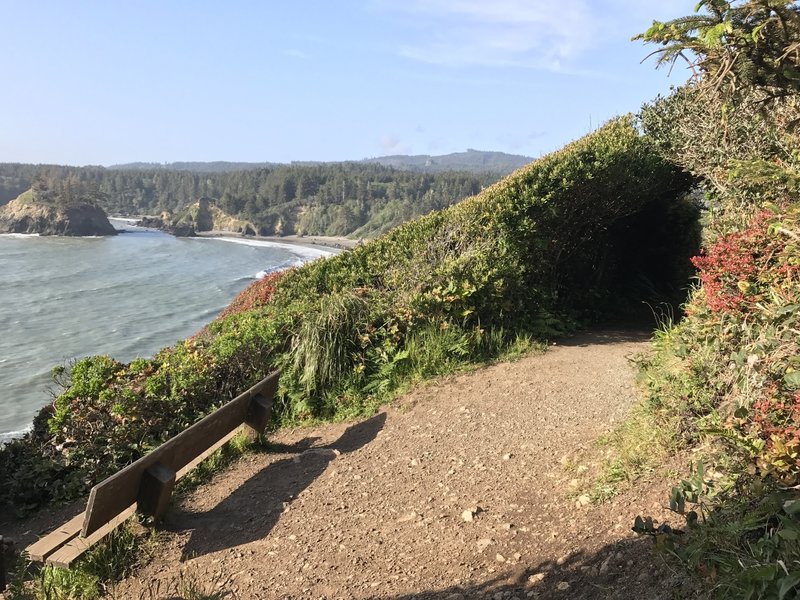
(126, 296)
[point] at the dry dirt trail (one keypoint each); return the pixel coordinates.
(458, 490)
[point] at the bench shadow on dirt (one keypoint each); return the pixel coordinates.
(250, 512)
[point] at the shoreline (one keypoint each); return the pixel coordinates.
(324, 242)
(317, 246)
(338, 244)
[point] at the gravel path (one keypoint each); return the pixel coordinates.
(463, 488)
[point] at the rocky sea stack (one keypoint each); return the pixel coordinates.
(47, 211)
(202, 216)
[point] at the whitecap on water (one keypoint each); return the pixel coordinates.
(165, 288)
(7, 436)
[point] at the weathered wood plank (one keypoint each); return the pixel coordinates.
(44, 547)
(208, 452)
(71, 551)
(113, 495)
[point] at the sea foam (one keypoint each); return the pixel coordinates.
(7, 436)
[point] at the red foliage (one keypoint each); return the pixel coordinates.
(258, 293)
(754, 276)
(729, 269)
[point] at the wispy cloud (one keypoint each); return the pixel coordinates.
(295, 53)
(391, 143)
(532, 33)
(543, 34)
(520, 141)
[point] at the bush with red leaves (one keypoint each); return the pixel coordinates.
(258, 293)
(729, 270)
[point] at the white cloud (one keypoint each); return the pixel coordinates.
(295, 53)
(528, 33)
(534, 33)
(391, 143)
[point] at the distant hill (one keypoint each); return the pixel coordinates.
(360, 199)
(473, 161)
(218, 166)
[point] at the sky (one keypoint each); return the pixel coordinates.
(99, 82)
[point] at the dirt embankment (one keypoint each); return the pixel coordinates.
(465, 488)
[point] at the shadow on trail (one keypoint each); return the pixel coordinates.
(611, 333)
(627, 570)
(250, 512)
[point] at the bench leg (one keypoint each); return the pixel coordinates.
(6, 561)
(258, 414)
(2, 565)
(155, 490)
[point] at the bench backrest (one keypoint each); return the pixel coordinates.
(153, 475)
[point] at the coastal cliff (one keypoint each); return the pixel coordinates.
(45, 214)
(202, 216)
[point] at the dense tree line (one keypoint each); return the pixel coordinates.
(326, 199)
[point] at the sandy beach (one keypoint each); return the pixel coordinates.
(313, 241)
(319, 241)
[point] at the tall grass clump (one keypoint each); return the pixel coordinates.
(325, 345)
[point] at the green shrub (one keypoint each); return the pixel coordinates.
(527, 258)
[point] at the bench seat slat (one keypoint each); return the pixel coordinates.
(45, 546)
(69, 552)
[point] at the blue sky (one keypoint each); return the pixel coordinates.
(90, 82)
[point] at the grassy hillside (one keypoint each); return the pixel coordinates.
(526, 259)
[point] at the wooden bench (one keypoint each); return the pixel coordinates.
(147, 484)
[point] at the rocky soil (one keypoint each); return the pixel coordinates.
(475, 486)
(470, 487)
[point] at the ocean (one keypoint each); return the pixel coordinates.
(127, 296)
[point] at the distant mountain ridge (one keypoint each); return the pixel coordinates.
(471, 160)
(217, 166)
(474, 161)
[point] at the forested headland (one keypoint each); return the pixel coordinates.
(359, 199)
